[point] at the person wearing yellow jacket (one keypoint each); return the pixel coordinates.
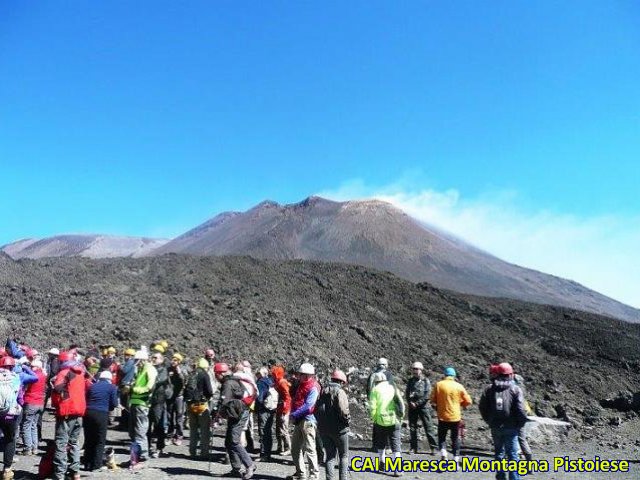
(141, 389)
(448, 398)
(386, 409)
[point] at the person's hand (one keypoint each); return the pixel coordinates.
(412, 405)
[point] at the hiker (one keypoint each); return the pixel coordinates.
(210, 357)
(33, 407)
(126, 376)
(386, 410)
(68, 399)
(382, 366)
(332, 412)
(12, 384)
(243, 371)
(282, 386)
(266, 405)
(162, 391)
(502, 407)
(139, 400)
(522, 436)
(175, 404)
(448, 397)
(234, 408)
(102, 398)
(197, 393)
(303, 441)
(417, 395)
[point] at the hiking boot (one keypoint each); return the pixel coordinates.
(140, 465)
(177, 441)
(286, 453)
(233, 474)
(249, 472)
(7, 474)
(444, 454)
(157, 454)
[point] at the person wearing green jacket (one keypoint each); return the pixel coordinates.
(386, 409)
(139, 400)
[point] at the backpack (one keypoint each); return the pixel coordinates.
(271, 399)
(192, 391)
(45, 467)
(9, 388)
(327, 410)
(250, 391)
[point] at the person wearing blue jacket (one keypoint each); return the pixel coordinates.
(102, 397)
(265, 414)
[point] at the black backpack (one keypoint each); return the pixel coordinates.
(192, 390)
(327, 410)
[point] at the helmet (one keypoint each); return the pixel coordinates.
(307, 369)
(164, 344)
(417, 365)
(111, 350)
(246, 364)
(202, 363)
(141, 355)
(65, 357)
(220, 368)
(209, 352)
(54, 351)
(494, 370)
(383, 362)
(104, 352)
(505, 369)
(3, 352)
(450, 372)
(339, 375)
(7, 362)
(130, 352)
(33, 353)
(158, 348)
(379, 377)
(106, 375)
(177, 357)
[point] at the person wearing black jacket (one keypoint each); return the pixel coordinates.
(175, 404)
(417, 395)
(162, 391)
(332, 413)
(502, 407)
(197, 393)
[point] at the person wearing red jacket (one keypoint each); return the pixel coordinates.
(282, 386)
(69, 400)
(33, 407)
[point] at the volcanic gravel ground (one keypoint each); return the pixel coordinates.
(333, 315)
(177, 463)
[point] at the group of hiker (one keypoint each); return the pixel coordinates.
(158, 395)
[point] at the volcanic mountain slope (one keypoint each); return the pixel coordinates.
(376, 234)
(330, 314)
(92, 246)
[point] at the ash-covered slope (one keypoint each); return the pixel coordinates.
(331, 314)
(377, 235)
(91, 246)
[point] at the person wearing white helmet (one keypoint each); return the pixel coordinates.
(139, 400)
(102, 397)
(381, 366)
(386, 409)
(303, 441)
(417, 395)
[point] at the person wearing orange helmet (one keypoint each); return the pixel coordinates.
(332, 413)
(502, 407)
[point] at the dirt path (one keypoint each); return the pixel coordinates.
(177, 463)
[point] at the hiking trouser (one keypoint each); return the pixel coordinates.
(265, 430)
(421, 415)
(303, 449)
(30, 426)
(505, 443)
(524, 444)
(383, 436)
(138, 428)
(9, 428)
(95, 425)
(199, 433)
(176, 409)
(443, 428)
(336, 445)
(282, 432)
(248, 433)
(157, 420)
(233, 442)
(67, 433)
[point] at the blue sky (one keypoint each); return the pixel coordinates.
(146, 118)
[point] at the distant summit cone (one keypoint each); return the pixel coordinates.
(376, 234)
